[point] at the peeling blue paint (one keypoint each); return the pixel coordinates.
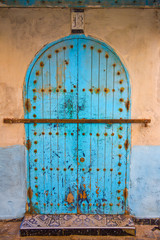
(144, 194)
(12, 182)
(80, 4)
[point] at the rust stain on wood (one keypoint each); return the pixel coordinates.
(70, 198)
(27, 105)
(127, 104)
(28, 144)
(30, 193)
(126, 144)
(125, 193)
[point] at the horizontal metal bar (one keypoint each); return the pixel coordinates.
(109, 121)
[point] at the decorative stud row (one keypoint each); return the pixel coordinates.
(83, 169)
(83, 134)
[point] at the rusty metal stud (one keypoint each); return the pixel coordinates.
(72, 134)
(64, 169)
(50, 90)
(119, 173)
(91, 90)
(91, 47)
(43, 169)
(59, 86)
(35, 133)
(36, 203)
(35, 81)
(106, 90)
(57, 133)
(34, 98)
(90, 134)
(83, 204)
(114, 65)
(44, 204)
(97, 204)
(43, 133)
(83, 169)
(35, 151)
(34, 107)
(41, 64)
(35, 142)
(34, 90)
(99, 50)
(120, 146)
(37, 73)
(82, 159)
(50, 133)
(90, 169)
(113, 90)
(121, 81)
(36, 178)
(118, 198)
(98, 90)
(118, 191)
(74, 86)
(56, 51)
(97, 169)
(66, 62)
(71, 46)
(64, 48)
(36, 186)
(121, 128)
(105, 134)
(119, 182)
(71, 90)
(107, 56)
(104, 204)
(104, 169)
(35, 124)
(49, 56)
(118, 204)
(35, 160)
(64, 90)
(71, 169)
(97, 134)
(57, 169)
(83, 134)
(36, 194)
(51, 169)
(121, 89)
(83, 89)
(34, 115)
(120, 109)
(112, 134)
(84, 45)
(118, 73)
(121, 100)
(65, 204)
(111, 204)
(90, 204)
(65, 134)
(57, 90)
(51, 204)
(58, 204)
(120, 136)
(119, 164)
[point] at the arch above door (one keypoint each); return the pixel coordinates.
(77, 168)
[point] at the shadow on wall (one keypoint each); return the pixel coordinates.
(144, 194)
(12, 182)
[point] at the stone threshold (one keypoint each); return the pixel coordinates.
(77, 224)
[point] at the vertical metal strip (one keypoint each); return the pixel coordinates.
(57, 118)
(77, 123)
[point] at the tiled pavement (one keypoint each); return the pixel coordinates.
(9, 230)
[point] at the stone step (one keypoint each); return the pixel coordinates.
(77, 224)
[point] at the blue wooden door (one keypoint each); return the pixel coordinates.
(77, 168)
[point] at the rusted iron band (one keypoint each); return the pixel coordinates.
(108, 121)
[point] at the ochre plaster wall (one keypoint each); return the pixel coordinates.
(135, 35)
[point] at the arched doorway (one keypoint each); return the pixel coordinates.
(77, 167)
